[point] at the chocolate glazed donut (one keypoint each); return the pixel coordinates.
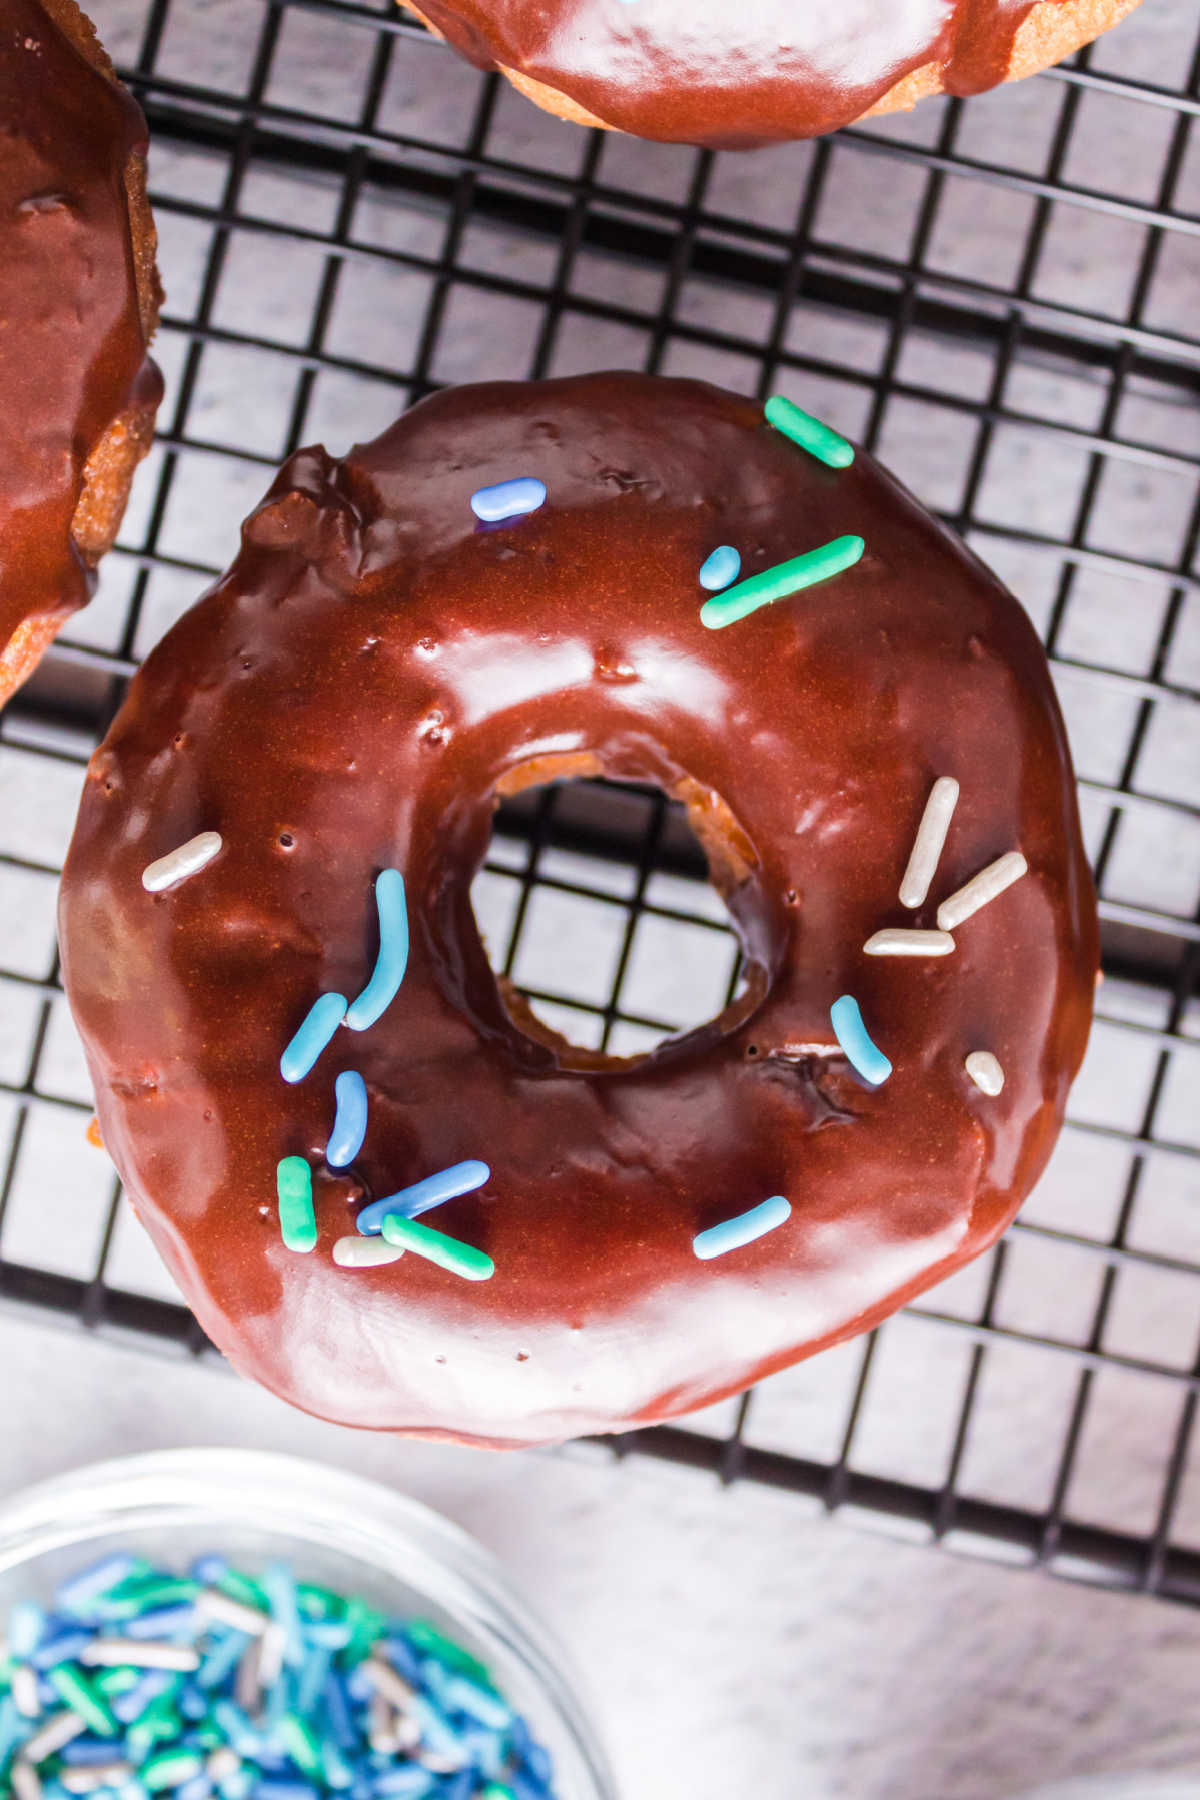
(731, 77)
(79, 299)
(351, 697)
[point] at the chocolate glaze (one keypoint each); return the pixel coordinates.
(712, 72)
(352, 694)
(72, 348)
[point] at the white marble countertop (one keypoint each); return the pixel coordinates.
(735, 1643)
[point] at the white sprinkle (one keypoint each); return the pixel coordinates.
(215, 1605)
(381, 1733)
(927, 846)
(25, 1691)
(222, 1763)
(897, 942)
(177, 865)
(981, 888)
(25, 1784)
(365, 1252)
(95, 1775)
(247, 1683)
(56, 1732)
(139, 1653)
(387, 1683)
(271, 1647)
(985, 1071)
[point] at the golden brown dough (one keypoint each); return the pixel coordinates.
(80, 294)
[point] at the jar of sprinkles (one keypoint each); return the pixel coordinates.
(222, 1624)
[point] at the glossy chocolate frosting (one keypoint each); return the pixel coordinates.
(351, 696)
(713, 72)
(72, 343)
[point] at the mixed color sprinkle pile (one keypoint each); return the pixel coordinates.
(136, 1682)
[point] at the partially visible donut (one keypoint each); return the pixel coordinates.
(727, 76)
(79, 300)
(376, 667)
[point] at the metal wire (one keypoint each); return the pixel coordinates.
(503, 211)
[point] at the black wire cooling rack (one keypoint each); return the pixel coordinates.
(1002, 298)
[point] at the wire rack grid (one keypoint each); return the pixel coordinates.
(998, 297)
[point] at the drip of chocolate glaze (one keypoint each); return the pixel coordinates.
(713, 72)
(72, 350)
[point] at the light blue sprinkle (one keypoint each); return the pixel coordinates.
(722, 567)
(350, 1120)
(223, 1658)
(851, 1034)
(461, 1695)
(392, 960)
(25, 1625)
(403, 1784)
(95, 1580)
(508, 499)
(280, 1584)
(411, 1202)
(321, 1021)
(162, 1621)
(198, 1788)
(732, 1234)
(13, 1727)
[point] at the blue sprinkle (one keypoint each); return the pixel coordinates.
(721, 568)
(129, 1707)
(401, 1657)
(209, 1569)
(852, 1035)
(508, 499)
(457, 1787)
(411, 1202)
(60, 1647)
(337, 1714)
(392, 960)
(269, 1788)
(162, 1621)
(95, 1580)
(321, 1021)
(732, 1234)
(85, 1752)
(313, 1677)
(539, 1763)
(350, 1120)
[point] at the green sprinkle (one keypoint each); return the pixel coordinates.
(242, 1587)
(366, 1625)
(142, 1593)
(317, 1602)
(821, 441)
(436, 1247)
(297, 1221)
(739, 601)
(169, 1768)
(302, 1744)
(431, 1642)
(496, 1790)
(116, 1681)
(84, 1698)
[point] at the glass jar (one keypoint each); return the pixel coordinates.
(336, 1529)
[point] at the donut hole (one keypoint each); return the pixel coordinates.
(604, 920)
